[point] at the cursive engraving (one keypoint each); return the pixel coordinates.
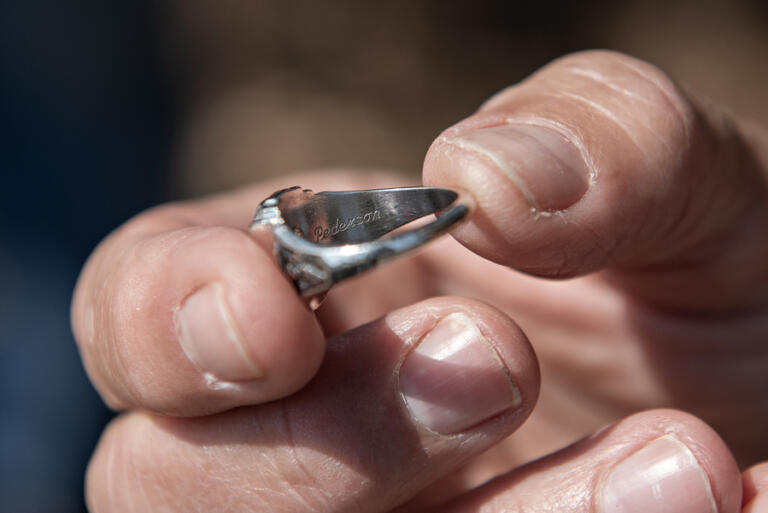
(339, 226)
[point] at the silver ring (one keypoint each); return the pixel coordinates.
(325, 237)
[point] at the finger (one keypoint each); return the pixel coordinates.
(600, 160)
(183, 312)
(660, 461)
(756, 488)
(397, 403)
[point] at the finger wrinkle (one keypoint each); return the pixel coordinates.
(603, 79)
(120, 472)
(257, 498)
(605, 112)
(294, 457)
(679, 106)
(142, 496)
(604, 250)
(119, 327)
(88, 324)
(611, 84)
(110, 477)
(303, 488)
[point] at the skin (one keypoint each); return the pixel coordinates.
(665, 307)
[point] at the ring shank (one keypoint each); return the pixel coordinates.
(351, 217)
(323, 238)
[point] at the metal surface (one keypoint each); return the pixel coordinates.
(323, 238)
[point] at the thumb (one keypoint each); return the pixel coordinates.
(600, 161)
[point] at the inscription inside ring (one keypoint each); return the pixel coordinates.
(339, 226)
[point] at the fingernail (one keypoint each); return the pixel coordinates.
(210, 338)
(544, 165)
(454, 379)
(664, 477)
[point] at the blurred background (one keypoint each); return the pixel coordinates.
(108, 108)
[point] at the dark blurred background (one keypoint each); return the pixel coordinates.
(110, 107)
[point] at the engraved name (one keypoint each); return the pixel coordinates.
(339, 226)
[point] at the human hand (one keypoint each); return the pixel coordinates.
(598, 166)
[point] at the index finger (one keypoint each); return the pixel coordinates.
(183, 312)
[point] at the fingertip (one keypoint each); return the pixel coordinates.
(528, 180)
(470, 365)
(715, 457)
(255, 330)
(755, 480)
(243, 327)
(199, 320)
(701, 473)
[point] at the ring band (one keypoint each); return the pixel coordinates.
(323, 238)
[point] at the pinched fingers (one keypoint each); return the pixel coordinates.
(183, 312)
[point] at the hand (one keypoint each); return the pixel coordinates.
(597, 166)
